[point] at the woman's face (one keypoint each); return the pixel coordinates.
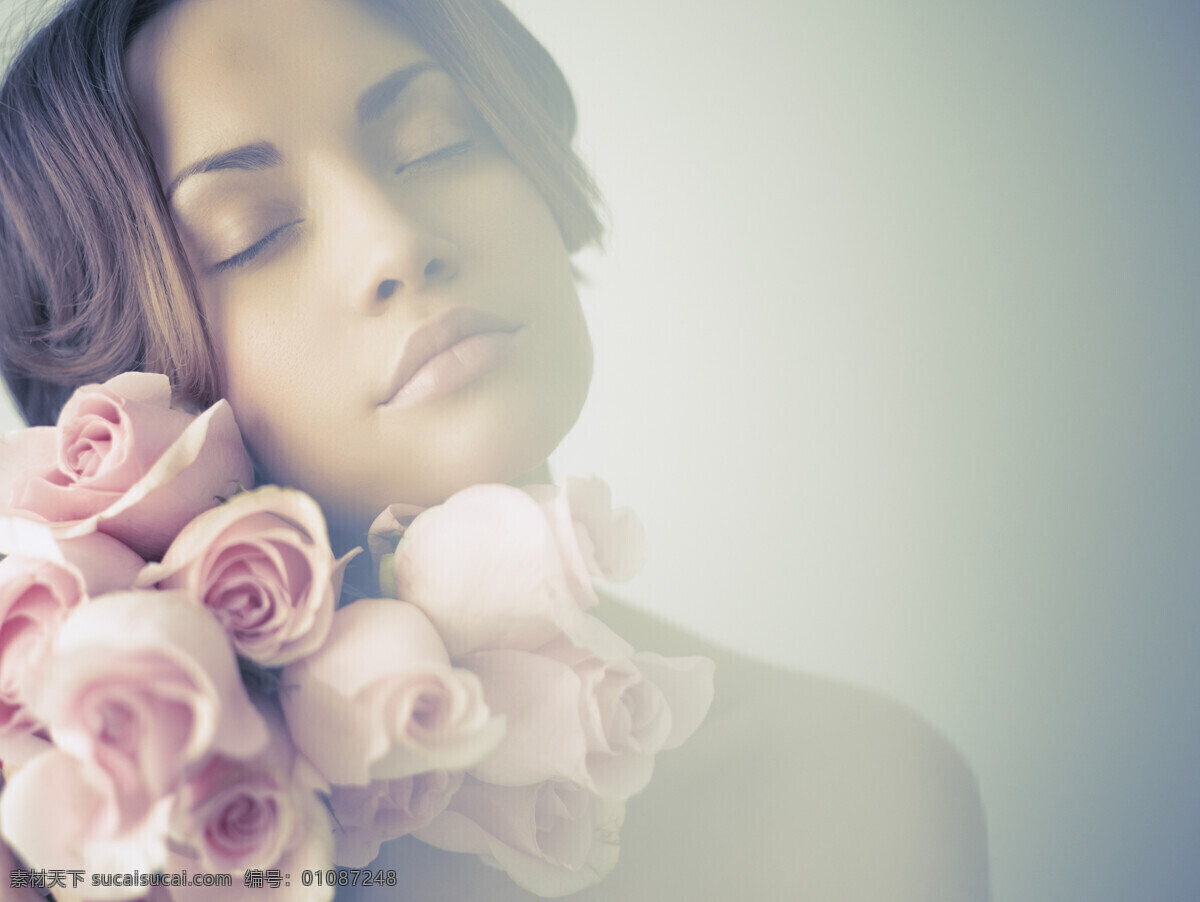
(389, 296)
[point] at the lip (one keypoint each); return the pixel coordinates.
(434, 337)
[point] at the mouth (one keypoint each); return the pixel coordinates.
(447, 352)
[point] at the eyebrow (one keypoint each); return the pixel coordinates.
(259, 155)
(372, 104)
(376, 100)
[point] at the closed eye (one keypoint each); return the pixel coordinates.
(276, 235)
(243, 257)
(445, 153)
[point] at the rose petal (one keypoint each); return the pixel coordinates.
(519, 829)
(356, 708)
(436, 720)
(539, 699)
(484, 569)
(152, 389)
(106, 564)
(145, 499)
(311, 849)
(25, 454)
(574, 544)
(57, 782)
(266, 550)
(107, 440)
(18, 750)
(37, 594)
(206, 461)
(687, 686)
(167, 627)
(368, 816)
(599, 541)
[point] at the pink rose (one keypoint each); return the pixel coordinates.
(36, 595)
(141, 686)
(487, 568)
(551, 838)
(122, 462)
(259, 813)
(261, 563)
(595, 540)
(572, 716)
(368, 816)
(380, 701)
(58, 812)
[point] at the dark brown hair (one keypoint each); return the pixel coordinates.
(93, 278)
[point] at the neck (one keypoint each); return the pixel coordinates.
(539, 475)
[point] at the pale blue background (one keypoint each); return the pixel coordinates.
(897, 358)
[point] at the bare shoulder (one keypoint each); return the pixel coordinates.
(794, 787)
(799, 787)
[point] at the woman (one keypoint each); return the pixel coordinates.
(354, 220)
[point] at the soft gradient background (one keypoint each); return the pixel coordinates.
(897, 333)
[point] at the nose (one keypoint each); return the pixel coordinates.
(437, 267)
(391, 253)
(401, 261)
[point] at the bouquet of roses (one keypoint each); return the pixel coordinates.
(180, 693)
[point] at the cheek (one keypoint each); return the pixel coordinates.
(271, 342)
(527, 252)
(250, 366)
(272, 378)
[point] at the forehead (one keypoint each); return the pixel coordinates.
(205, 74)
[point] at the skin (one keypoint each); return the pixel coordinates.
(315, 269)
(794, 787)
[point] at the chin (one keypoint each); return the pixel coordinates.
(514, 447)
(442, 468)
(497, 434)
